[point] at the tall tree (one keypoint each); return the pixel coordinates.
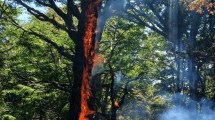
(180, 27)
(82, 34)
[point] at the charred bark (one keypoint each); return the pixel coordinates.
(82, 103)
(75, 95)
(84, 52)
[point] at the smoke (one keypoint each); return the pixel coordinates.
(98, 66)
(118, 77)
(109, 9)
(118, 5)
(179, 112)
(132, 110)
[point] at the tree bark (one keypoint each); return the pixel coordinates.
(75, 96)
(173, 37)
(81, 102)
(192, 70)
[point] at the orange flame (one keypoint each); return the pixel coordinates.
(116, 104)
(89, 52)
(98, 59)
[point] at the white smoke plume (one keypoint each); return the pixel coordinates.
(190, 113)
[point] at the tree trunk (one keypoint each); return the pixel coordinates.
(113, 113)
(173, 37)
(75, 96)
(192, 71)
(81, 102)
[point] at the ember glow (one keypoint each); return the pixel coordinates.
(89, 52)
(116, 104)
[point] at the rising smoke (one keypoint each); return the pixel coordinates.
(205, 111)
(109, 9)
(179, 112)
(118, 5)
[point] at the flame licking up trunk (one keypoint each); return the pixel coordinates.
(89, 53)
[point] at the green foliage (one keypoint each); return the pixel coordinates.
(65, 112)
(137, 57)
(8, 117)
(35, 79)
(30, 71)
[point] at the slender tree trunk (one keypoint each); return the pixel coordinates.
(112, 94)
(113, 113)
(173, 37)
(192, 71)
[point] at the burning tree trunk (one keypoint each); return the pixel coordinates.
(81, 105)
(86, 12)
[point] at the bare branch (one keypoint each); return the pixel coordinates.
(151, 23)
(57, 10)
(42, 3)
(149, 18)
(156, 13)
(141, 22)
(72, 34)
(67, 18)
(41, 16)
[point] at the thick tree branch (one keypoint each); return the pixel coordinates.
(42, 3)
(72, 9)
(57, 9)
(156, 13)
(141, 22)
(67, 18)
(72, 34)
(150, 19)
(41, 16)
(151, 23)
(2, 9)
(60, 13)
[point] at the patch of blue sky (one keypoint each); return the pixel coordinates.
(25, 15)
